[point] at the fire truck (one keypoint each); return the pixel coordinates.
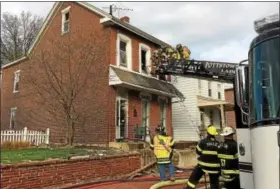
(256, 83)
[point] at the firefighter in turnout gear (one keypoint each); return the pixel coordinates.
(163, 147)
(208, 161)
(228, 155)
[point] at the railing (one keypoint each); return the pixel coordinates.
(33, 137)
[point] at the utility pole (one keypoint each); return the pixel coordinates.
(113, 8)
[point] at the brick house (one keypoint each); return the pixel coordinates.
(120, 93)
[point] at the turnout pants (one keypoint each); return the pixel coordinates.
(196, 176)
(234, 184)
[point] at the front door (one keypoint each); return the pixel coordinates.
(121, 110)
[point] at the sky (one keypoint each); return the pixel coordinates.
(216, 31)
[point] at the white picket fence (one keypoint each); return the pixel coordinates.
(34, 137)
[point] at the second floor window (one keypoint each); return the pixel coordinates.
(144, 61)
(65, 20)
(209, 89)
(123, 53)
(16, 81)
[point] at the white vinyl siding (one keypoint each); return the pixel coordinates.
(186, 117)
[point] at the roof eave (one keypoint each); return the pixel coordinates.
(14, 62)
(109, 20)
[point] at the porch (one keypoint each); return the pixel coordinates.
(212, 111)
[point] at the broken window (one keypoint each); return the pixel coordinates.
(123, 53)
(16, 81)
(144, 60)
(13, 118)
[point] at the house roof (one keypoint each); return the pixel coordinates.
(106, 18)
(139, 81)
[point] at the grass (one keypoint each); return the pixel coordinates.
(21, 155)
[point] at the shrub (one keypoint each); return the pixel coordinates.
(15, 144)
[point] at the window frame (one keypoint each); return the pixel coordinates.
(163, 114)
(127, 40)
(146, 48)
(16, 73)
(64, 12)
(147, 116)
(13, 117)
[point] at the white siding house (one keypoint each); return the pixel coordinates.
(203, 104)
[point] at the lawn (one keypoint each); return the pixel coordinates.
(20, 155)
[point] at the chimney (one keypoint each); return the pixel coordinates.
(125, 19)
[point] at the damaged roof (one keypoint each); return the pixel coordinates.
(147, 82)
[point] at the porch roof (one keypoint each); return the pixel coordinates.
(210, 102)
(137, 81)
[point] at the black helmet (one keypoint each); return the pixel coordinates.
(160, 128)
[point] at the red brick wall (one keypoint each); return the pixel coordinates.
(135, 103)
(100, 104)
(230, 115)
(55, 174)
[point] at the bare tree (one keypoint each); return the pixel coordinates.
(61, 80)
(17, 34)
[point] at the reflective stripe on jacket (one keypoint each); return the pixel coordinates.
(208, 155)
(161, 153)
(228, 155)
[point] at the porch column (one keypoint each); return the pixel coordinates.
(222, 115)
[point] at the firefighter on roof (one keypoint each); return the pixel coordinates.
(228, 155)
(163, 147)
(208, 161)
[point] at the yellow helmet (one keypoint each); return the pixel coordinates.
(212, 130)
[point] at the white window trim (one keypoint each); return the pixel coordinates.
(148, 58)
(12, 109)
(14, 85)
(148, 112)
(63, 12)
(164, 100)
(128, 48)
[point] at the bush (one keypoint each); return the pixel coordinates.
(15, 145)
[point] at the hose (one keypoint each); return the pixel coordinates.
(115, 181)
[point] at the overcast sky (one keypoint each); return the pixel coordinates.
(218, 31)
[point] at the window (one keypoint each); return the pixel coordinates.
(219, 91)
(143, 61)
(65, 20)
(123, 53)
(209, 89)
(144, 58)
(145, 111)
(162, 104)
(16, 81)
(13, 118)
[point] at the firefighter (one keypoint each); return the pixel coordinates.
(228, 155)
(163, 147)
(208, 161)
